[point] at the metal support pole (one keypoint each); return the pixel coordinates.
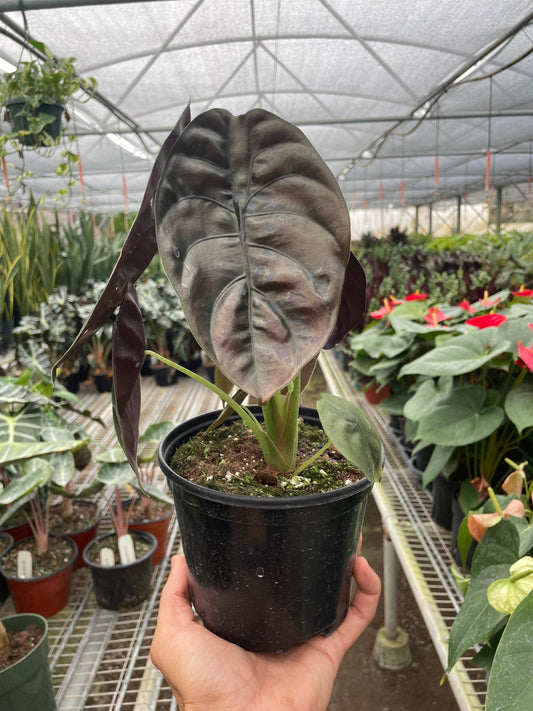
(499, 195)
(390, 587)
(458, 224)
(391, 648)
(416, 220)
(430, 226)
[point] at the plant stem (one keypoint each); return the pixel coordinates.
(271, 453)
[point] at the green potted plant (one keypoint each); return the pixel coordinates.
(25, 679)
(254, 234)
(497, 611)
(471, 399)
(121, 562)
(35, 95)
(151, 509)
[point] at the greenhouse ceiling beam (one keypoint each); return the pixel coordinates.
(22, 37)
(27, 5)
(422, 111)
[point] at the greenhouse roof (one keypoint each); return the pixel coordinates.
(408, 101)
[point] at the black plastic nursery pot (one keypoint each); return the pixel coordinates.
(27, 684)
(121, 586)
(19, 119)
(266, 573)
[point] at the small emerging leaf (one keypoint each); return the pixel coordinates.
(352, 433)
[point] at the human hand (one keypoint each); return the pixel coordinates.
(206, 673)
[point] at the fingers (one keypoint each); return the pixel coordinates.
(364, 604)
(175, 605)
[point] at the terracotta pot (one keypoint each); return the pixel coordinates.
(158, 527)
(18, 531)
(86, 535)
(46, 595)
(376, 393)
(6, 541)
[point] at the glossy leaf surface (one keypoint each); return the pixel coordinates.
(254, 234)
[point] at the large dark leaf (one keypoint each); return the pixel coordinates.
(353, 302)
(138, 251)
(254, 234)
(128, 356)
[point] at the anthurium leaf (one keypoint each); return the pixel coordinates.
(476, 620)
(526, 539)
(518, 405)
(461, 418)
(116, 474)
(510, 685)
(427, 394)
(461, 354)
(352, 433)
(440, 457)
(137, 253)
(254, 235)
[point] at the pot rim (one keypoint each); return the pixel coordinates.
(168, 446)
(37, 579)
(140, 534)
(97, 509)
(35, 619)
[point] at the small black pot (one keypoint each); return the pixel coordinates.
(103, 382)
(266, 573)
(163, 375)
(443, 492)
(18, 117)
(122, 586)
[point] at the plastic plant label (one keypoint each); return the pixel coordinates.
(107, 558)
(24, 564)
(126, 549)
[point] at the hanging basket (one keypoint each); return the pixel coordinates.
(19, 112)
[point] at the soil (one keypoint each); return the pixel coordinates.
(140, 545)
(20, 644)
(150, 511)
(4, 544)
(229, 459)
(83, 516)
(59, 554)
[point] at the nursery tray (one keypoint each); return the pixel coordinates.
(100, 659)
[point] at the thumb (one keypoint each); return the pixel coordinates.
(175, 604)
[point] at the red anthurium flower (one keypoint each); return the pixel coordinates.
(486, 320)
(525, 356)
(523, 292)
(384, 310)
(478, 523)
(466, 307)
(434, 316)
(417, 296)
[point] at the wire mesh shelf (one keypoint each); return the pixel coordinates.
(100, 659)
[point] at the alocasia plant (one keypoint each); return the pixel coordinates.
(254, 235)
